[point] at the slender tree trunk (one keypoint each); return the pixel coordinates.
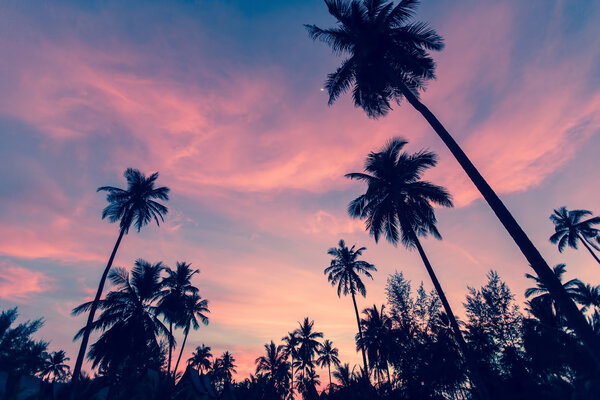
(170, 348)
(90, 320)
(575, 318)
(479, 383)
(292, 388)
(361, 336)
(180, 353)
(329, 369)
(589, 249)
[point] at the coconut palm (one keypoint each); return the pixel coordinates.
(587, 295)
(328, 355)
(193, 313)
(55, 366)
(388, 60)
(570, 229)
(541, 294)
(344, 270)
(176, 286)
(135, 206)
(308, 344)
(344, 375)
(399, 204)
(290, 349)
(274, 366)
(129, 321)
(377, 339)
(225, 365)
(201, 358)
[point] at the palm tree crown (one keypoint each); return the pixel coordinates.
(387, 53)
(397, 202)
(136, 204)
(273, 364)
(55, 366)
(201, 358)
(569, 229)
(308, 343)
(345, 268)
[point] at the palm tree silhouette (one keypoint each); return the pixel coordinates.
(344, 271)
(225, 366)
(587, 295)
(398, 204)
(290, 349)
(177, 285)
(541, 293)
(55, 366)
(389, 60)
(201, 358)
(135, 206)
(194, 307)
(569, 229)
(274, 365)
(328, 355)
(129, 320)
(307, 344)
(377, 338)
(344, 375)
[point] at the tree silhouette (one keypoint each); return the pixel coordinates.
(308, 344)
(201, 358)
(398, 204)
(224, 367)
(388, 60)
(377, 339)
(55, 366)
(290, 349)
(570, 229)
(344, 272)
(176, 286)
(541, 293)
(135, 206)
(193, 311)
(274, 366)
(328, 355)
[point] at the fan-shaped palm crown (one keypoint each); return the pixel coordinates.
(136, 205)
(308, 343)
(273, 363)
(569, 228)
(541, 292)
(387, 52)
(345, 269)
(55, 366)
(397, 202)
(201, 358)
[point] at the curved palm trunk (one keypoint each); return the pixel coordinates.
(479, 383)
(180, 353)
(361, 336)
(90, 320)
(588, 247)
(575, 318)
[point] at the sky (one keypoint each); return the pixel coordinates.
(224, 99)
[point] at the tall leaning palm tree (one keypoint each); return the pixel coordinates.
(328, 355)
(399, 204)
(389, 60)
(570, 229)
(344, 271)
(176, 286)
(137, 205)
(193, 313)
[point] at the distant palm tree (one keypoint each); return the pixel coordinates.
(541, 293)
(344, 375)
(569, 229)
(129, 321)
(193, 313)
(328, 355)
(377, 339)
(344, 271)
(176, 286)
(201, 358)
(135, 206)
(55, 366)
(290, 349)
(398, 204)
(388, 60)
(587, 295)
(226, 366)
(308, 344)
(274, 366)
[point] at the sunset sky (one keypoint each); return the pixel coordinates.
(224, 99)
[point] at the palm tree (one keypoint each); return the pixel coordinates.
(274, 365)
(398, 204)
(177, 285)
(542, 294)
(587, 295)
(344, 271)
(290, 349)
(201, 358)
(344, 375)
(193, 311)
(129, 321)
(569, 229)
(377, 338)
(328, 355)
(227, 366)
(308, 344)
(55, 366)
(389, 60)
(135, 206)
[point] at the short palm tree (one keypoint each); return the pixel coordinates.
(308, 344)
(344, 271)
(201, 358)
(227, 366)
(377, 339)
(587, 295)
(389, 60)
(290, 349)
(399, 204)
(55, 366)
(274, 365)
(176, 286)
(570, 229)
(137, 205)
(328, 355)
(129, 321)
(192, 314)
(540, 292)
(344, 375)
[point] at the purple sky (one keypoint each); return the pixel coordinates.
(224, 99)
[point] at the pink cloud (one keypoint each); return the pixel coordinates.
(19, 284)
